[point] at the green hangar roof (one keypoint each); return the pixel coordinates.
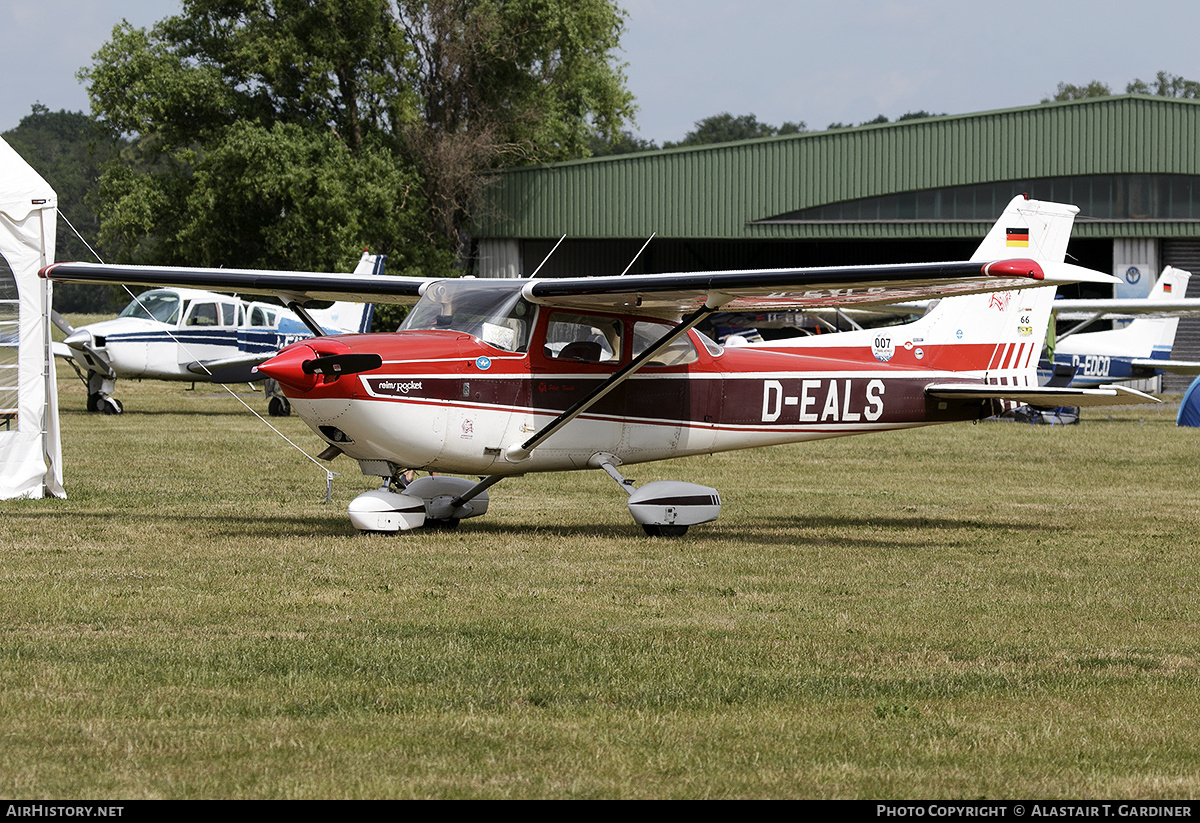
(1129, 162)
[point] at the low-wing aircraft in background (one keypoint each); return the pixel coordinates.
(1136, 351)
(498, 378)
(185, 334)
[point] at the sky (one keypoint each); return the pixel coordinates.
(782, 61)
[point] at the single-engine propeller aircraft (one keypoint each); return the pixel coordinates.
(185, 334)
(497, 378)
(1136, 351)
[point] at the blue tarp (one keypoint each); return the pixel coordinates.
(1189, 407)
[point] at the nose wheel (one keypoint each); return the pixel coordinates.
(277, 402)
(104, 404)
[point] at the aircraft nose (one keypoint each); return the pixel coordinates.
(287, 368)
(79, 339)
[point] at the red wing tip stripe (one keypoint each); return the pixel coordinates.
(1022, 267)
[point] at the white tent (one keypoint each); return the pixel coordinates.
(30, 448)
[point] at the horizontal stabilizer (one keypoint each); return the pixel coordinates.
(1043, 396)
(1115, 309)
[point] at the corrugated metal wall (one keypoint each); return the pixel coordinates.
(719, 191)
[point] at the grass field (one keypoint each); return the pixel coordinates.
(964, 611)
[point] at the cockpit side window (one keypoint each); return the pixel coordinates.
(261, 317)
(584, 338)
(228, 314)
(495, 313)
(162, 306)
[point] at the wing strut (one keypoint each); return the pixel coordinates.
(1079, 327)
(306, 318)
(517, 453)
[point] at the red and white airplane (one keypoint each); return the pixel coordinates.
(497, 378)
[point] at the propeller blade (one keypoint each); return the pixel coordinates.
(335, 365)
(61, 323)
(240, 373)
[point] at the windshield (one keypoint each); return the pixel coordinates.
(162, 306)
(492, 311)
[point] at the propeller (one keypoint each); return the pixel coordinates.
(335, 365)
(299, 367)
(330, 365)
(239, 373)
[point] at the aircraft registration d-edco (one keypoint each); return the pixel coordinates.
(1136, 351)
(496, 378)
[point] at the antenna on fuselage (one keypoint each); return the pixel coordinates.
(639, 254)
(547, 257)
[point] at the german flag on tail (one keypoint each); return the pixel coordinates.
(1017, 237)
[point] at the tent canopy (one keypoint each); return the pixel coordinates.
(30, 449)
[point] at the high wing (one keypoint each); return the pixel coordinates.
(766, 289)
(289, 286)
(1076, 309)
(659, 295)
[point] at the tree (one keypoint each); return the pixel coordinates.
(507, 82)
(1163, 85)
(625, 143)
(291, 133)
(725, 128)
(1068, 91)
(261, 135)
(1166, 85)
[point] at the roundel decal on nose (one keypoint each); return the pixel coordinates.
(484, 363)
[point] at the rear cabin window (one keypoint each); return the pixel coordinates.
(261, 317)
(679, 353)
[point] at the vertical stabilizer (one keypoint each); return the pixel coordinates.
(1143, 337)
(999, 336)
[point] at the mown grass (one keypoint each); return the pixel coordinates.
(995, 610)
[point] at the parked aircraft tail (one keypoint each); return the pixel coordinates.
(1145, 336)
(995, 336)
(1140, 349)
(999, 336)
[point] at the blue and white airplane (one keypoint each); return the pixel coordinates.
(186, 334)
(1139, 350)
